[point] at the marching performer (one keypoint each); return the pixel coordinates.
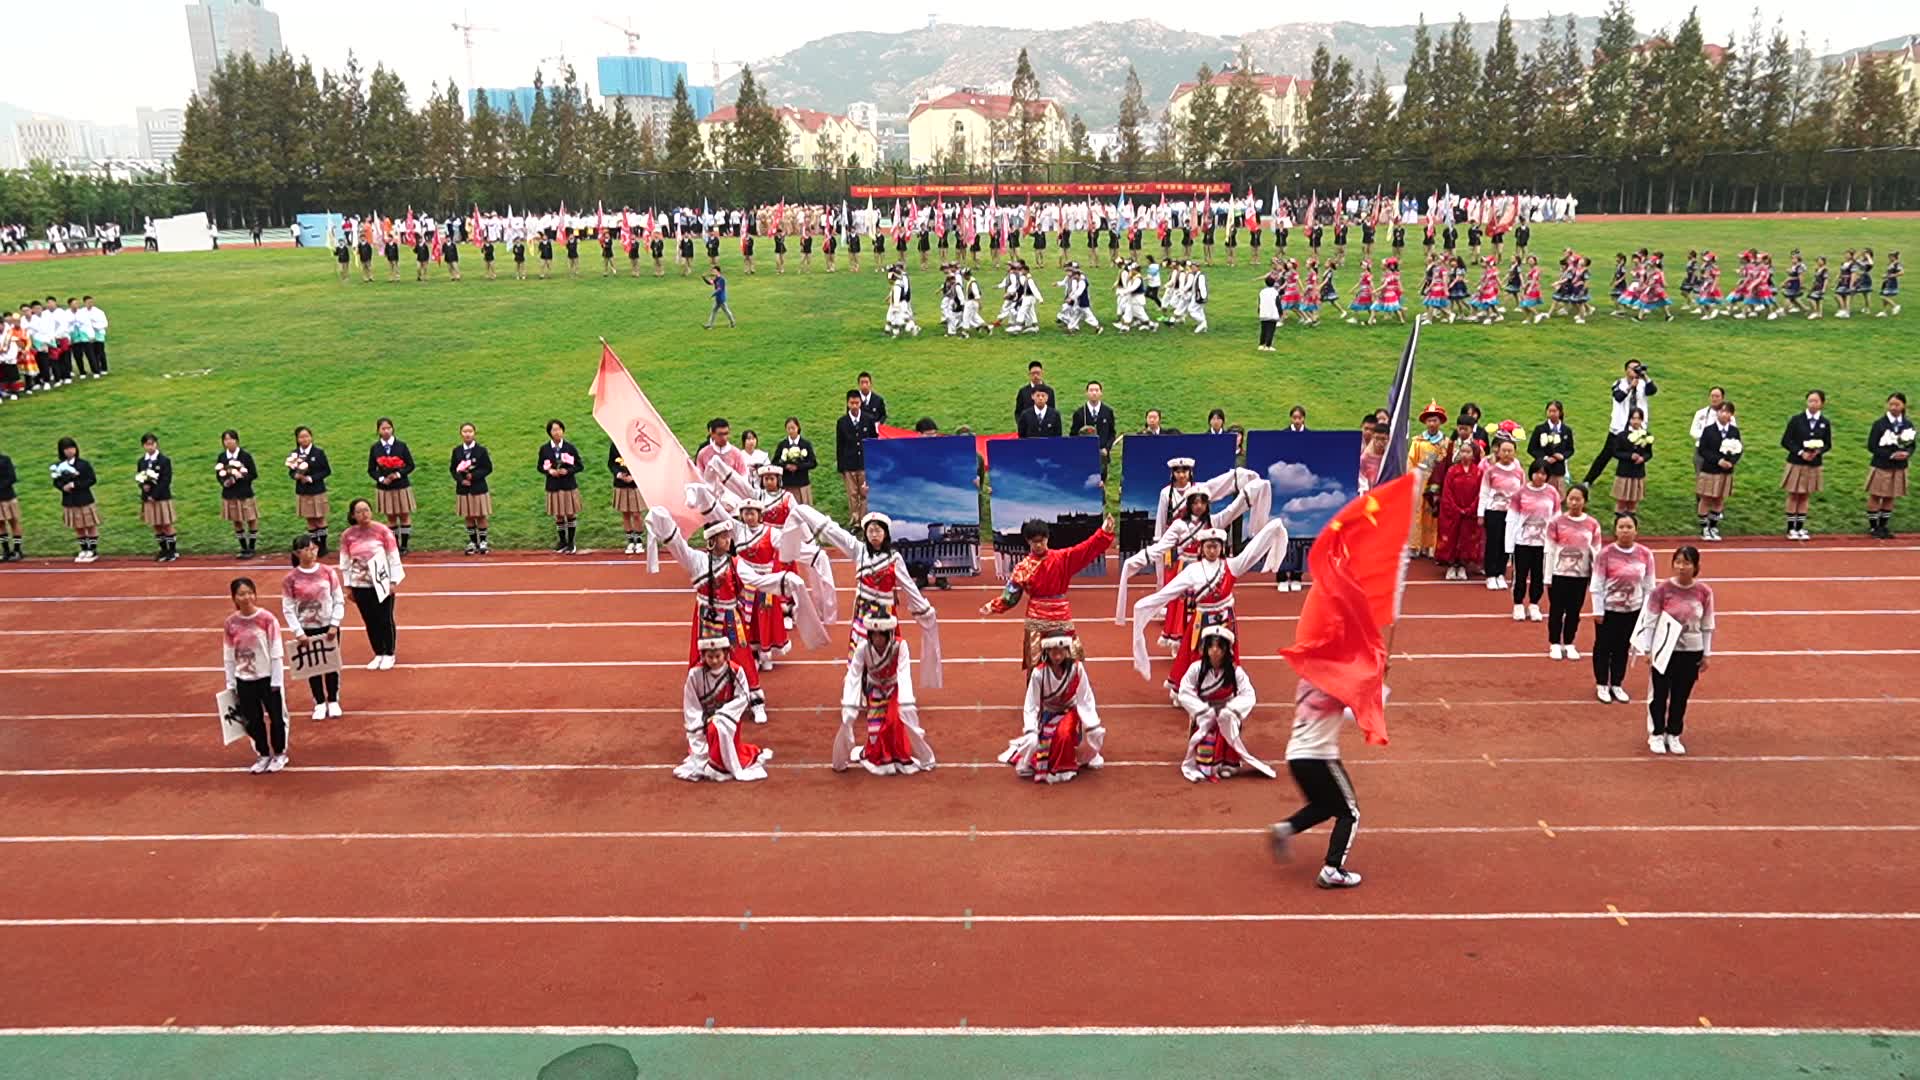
(1042, 578)
(880, 579)
(712, 703)
(1061, 731)
(1218, 697)
(879, 687)
(1206, 588)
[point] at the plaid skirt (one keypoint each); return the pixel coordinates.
(156, 511)
(1713, 485)
(1629, 488)
(563, 504)
(239, 510)
(1881, 484)
(393, 502)
(1801, 479)
(311, 506)
(81, 517)
(474, 506)
(628, 501)
(10, 510)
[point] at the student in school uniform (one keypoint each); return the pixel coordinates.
(470, 466)
(1891, 441)
(390, 467)
(627, 500)
(10, 538)
(154, 474)
(560, 463)
(796, 459)
(1719, 450)
(1808, 437)
(308, 467)
(73, 476)
(234, 468)
(315, 603)
(253, 654)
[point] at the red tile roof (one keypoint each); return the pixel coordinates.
(1274, 85)
(991, 106)
(807, 119)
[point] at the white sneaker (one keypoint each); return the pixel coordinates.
(1280, 839)
(1657, 743)
(1554, 652)
(1534, 614)
(1519, 613)
(1334, 878)
(319, 712)
(1620, 695)
(1601, 693)
(260, 766)
(386, 663)
(1493, 584)
(1675, 746)
(82, 557)
(1573, 653)
(374, 664)
(276, 763)
(333, 708)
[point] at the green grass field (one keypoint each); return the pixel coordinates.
(264, 340)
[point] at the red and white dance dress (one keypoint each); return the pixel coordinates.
(877, 698)
(1217, 706)
(712, 705)
(1206, 589)
(1237, 485)
(1174, 547)
(1060, 731)
(880, 581)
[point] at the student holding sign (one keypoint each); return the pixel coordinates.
(370, 566)
(314, 603)
(1675, 630)
(252, 654)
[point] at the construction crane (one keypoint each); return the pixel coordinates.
(467, 28)
(560, 60)
(633, 36)
(737, 64)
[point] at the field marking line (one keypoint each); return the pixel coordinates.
(968, 834)
(1143, 919)
(961, 1031)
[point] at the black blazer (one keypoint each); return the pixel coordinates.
(1623, 455)
(550, 457)
(876, 406)
(8, 479)
(476, 475)
(1103, 425)
(849, 454)
(1536, 452)
(162, 489)
(1023, 400)
(1710, 452)
(1882, 455)
(1799, 430)
(1031, 426)
(82, 493)
(318, 469)
(614, 467)
(242, 488)
(794, 474)
(374, 453)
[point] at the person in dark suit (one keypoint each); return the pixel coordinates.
(1552, 444)
(235, 470)
(1096, 416)
(1036, 381)
(797, 461)
(1041, 420)
(870, 402)
(560, 463)
(470, 466)
(850, 453)
(155, 472)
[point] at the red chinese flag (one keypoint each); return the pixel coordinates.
(1357, 563)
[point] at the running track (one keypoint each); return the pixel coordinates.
(490, 837)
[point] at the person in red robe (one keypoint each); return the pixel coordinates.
(877, 698)
(714, 701)
(1460, 535)
(1061, 731)
(1042, 578)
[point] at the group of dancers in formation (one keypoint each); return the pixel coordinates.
(1179, 292)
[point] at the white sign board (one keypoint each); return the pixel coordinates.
(185, 232)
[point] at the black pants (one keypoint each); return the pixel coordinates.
(1494, 560)
(1667, 708)
(1267, 327)
(1605, 455)
(97, 350)
(1565, 597)
(325, 687)
(1329, 795)
(259, 704)
(382, 633)
(1529, 572)
(1611, 635)
(1294, 563)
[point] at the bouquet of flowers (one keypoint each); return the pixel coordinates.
(1640, 437)
(296, 463)
(1814, 444)
(465, 465)
(792, 455)
(390, 463)
(1897, 438)
(1730, 447)
(62, 468)
(1549, 439)
(229, 472)
(620, 462)
(567, 460)
(144, 477)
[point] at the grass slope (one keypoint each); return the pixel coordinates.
(264, 340)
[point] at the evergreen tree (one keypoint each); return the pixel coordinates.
(683, 150)
(1316, 114)
(649, 145)
(1200, 137)
(535, 155)
(1416, 100)
(1246, 132)
(1610, 84)
(392, 137)
(444, 143)
(488, 157)
(1134, 116)
(1456, 81)
(1373, 136)
(1876, 109)
(1028, 134)
(756, 140)
(342, 163)
(1502, 97)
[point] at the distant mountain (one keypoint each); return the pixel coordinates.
(1083, 67)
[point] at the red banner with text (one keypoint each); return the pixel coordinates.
(1145, 187)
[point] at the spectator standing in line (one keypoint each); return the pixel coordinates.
(1096, 417)
(850, 453)
(871, 402)
(1040, 420)
(1036, 381)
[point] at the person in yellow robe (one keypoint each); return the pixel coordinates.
(1424, 453)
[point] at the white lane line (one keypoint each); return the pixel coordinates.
(912, 834)
(969, 1032)
(624, 767)
(1012, 706)
(976, 918)
(668, 624)
(1080, 588)
(951, 660)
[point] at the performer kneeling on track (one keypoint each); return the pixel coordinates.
(879, 687)
(714, 701)
(1218, 697)
(1313, 757)
(1061, 732)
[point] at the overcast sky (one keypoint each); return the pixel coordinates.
(152, 65)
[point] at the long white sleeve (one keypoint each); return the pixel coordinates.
(1030, 711)
(660, 524)
(276, 656)
(1083, 703)
(226, 657)
(1266, 545)
(1149, 606)
(289, 611)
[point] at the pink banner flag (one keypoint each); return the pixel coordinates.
(658, 463)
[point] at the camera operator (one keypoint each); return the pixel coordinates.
(1630, 392)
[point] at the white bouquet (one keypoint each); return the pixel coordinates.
(791, 454)
(1814, 444)
(1731, 447)
(1549, 439)
(296, 463)
(62, 468)
(1906, 436)
(1640, 437)
(146, 476)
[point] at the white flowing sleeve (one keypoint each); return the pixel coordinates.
(660, 524)
(1144, 611)
(276, 656)
(1160, 515)
(821, 527)
(1030, 712)
(1263, 551)
(1083, 703)
(929, 619)
(1189, 693)
(850, 704)
(1252, 495)
(691, 714)
(1242, 702)
(1145, 559)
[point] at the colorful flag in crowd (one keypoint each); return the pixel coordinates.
(658, 463)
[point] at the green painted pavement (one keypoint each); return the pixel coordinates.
(1428, 1056)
